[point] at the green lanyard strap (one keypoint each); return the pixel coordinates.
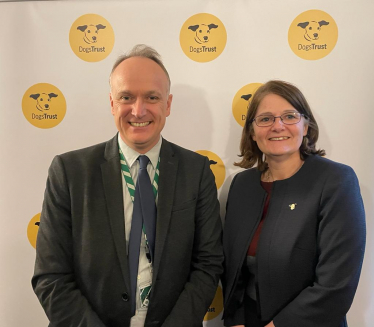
(131, 187)
(129, 181)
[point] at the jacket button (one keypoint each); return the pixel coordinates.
(125, 297)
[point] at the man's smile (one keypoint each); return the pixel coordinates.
(142, 124)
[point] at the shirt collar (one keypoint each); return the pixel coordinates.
(131, 155)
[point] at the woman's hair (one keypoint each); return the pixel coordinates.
(249, 151)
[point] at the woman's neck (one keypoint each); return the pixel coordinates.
(281, 169)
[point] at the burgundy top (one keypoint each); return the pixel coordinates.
(253, 246)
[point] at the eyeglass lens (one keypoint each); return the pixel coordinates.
(289, 118)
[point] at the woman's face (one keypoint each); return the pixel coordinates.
(278, 141)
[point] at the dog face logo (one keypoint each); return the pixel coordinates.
(91, 37)
(90, 32)
(202, 32)
(32, 229)
(44, 105)
(246, 97)
(241, 101)
(312, 29)
(216, 166)
(203, 37)
(212, 162)
(43, 100)
(312, 35)
(216, 307)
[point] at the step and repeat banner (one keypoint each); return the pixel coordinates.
(55, 61)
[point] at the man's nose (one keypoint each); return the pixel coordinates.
(138, 108)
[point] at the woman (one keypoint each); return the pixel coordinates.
(294, 234)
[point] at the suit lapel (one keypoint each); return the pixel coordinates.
(111, 174)
(166, 191)
(246, 200)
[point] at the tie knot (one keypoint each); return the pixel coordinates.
(143, 160)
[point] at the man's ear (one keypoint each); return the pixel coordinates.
(111, 103)
(168, 104)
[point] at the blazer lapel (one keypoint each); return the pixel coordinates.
(247, 199)
(166, 190)
(111, 174)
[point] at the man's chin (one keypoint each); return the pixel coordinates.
(143, 146)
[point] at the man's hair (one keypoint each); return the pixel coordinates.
(145, 51)
(249, 150)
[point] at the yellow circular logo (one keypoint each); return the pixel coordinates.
(241, 101)
(203, 37)
(91, 38)
(216, 165)
(313, 35)
(32, 229)
(216, 307)
(44, 105)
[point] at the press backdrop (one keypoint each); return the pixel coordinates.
(55, 59)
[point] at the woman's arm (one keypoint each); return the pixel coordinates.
(341, 243)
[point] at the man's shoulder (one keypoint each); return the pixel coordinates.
(182, 153)
(93, 153)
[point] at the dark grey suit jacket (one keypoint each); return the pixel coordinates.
(308, 259)
(81, 272)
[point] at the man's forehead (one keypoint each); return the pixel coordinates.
(138, 64)
(139, 69)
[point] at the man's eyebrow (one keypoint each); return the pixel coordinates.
(152, 92)
(124, 92)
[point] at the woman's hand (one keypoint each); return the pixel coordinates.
(270, 324)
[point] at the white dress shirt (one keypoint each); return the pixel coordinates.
(145, 270)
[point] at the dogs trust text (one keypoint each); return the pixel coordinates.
(91, 49)
(203, 49)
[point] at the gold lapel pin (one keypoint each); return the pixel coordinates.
(293, 206)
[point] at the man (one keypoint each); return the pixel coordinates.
(84, 270)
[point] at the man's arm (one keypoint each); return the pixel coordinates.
(207, 258)
(54, 281)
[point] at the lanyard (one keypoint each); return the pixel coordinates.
(131, 187)
(129, 181)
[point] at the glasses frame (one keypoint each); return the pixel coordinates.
(280, 117)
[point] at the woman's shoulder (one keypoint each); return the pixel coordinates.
(248, 174)
(246, 179)
(324, 169)
(323, 164)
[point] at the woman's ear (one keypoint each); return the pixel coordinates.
(306, 126)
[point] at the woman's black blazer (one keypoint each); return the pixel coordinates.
(310, 250)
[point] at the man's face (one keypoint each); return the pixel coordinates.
(140, 102)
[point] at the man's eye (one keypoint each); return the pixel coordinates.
(153, 98)
(126, 98)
